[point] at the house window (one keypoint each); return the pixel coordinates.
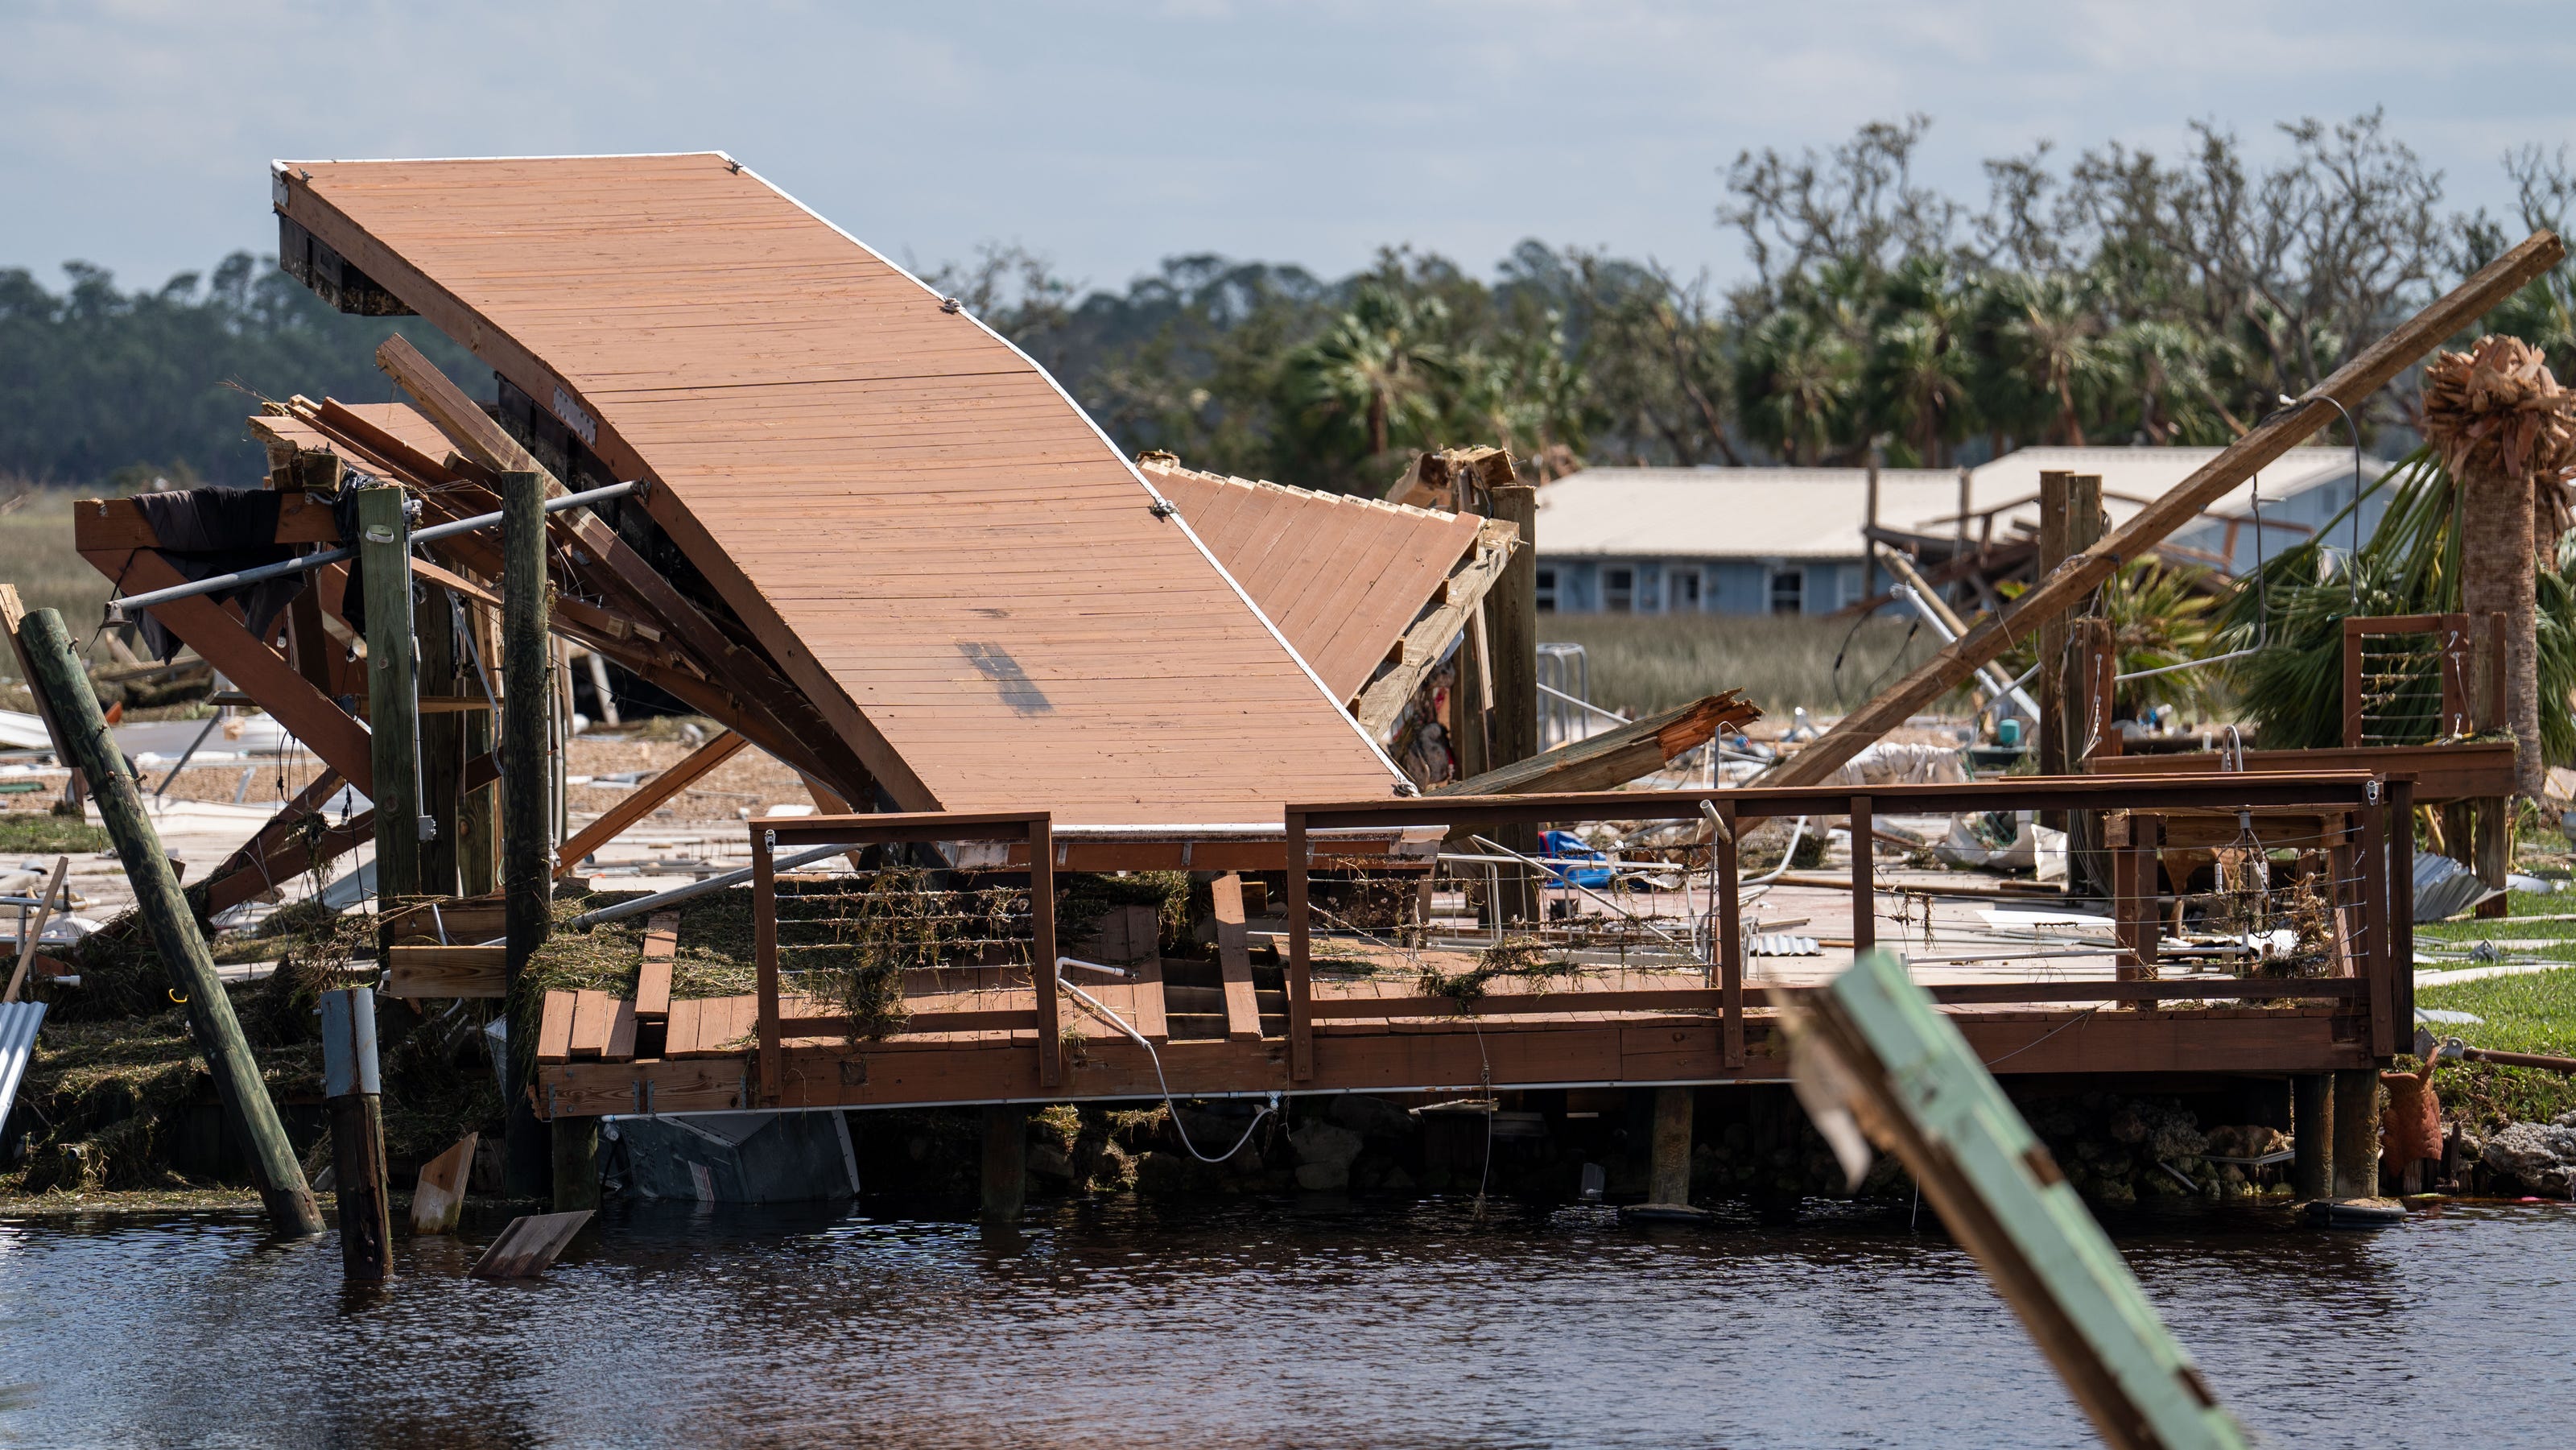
(1547, 591)
(1685, 591)
(1788, 591)
(1619, 590)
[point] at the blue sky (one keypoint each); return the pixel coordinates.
(135, 133)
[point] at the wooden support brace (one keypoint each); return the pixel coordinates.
(645, 799)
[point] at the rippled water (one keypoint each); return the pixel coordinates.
(1268, 1323)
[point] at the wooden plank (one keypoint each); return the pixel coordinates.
(645, 799)
(1151, 1019)
(621, 1032)
(438, 1201)
(1614, 757)
(441, 972)
(2349, 387)
(1234, 957)
(680, 1038)
(594, 1013)
(529, 1245)
(653, 980)
(554, 1028)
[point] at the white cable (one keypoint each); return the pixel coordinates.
(1114, 1020)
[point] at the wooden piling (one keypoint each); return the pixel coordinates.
(576, 1151)
(393, 722)
(443, 671)
(1006, 1162)
(1669, 1163)
(526, 843)
(2312, 1136)
(60, 682)
(2356, 1133)
(353, 1090)
(1512, 634)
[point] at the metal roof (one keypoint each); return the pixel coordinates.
(1730, 513)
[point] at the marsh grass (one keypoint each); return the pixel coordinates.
(1640, 663)
(36, 554)
(2534, 1013)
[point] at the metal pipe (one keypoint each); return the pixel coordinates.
(697, 889)
(1991, 678)
(1546, 689)
(2185, 665)
(303, 562)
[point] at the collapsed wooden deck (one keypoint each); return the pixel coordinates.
(1372, 1020)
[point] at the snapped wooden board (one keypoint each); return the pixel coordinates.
(439, 1199)
(938, 548)
(529, 1245)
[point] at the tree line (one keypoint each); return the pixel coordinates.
(2114, 297)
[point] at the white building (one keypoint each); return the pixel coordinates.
(1789, 541)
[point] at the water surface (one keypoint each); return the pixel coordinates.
(1285, 1322)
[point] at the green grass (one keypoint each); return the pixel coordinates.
(1640, 663)
(2531, 1013)
(61, 835)
(36, 554)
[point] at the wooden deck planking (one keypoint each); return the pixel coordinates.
(1342, 577)
(837, 455)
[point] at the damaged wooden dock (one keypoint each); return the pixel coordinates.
(1362, 1012)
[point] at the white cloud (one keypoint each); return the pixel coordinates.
(1110, 134)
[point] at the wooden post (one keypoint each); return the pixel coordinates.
(2054, 497)
(442, 735)
(2312, 1136)
(1042, 950)
(393, 701)
(525, 843)
(764, 946)
(2356, 1132)
(2377, 933)
(1668, 1167)
(576, 1165)
(57, 678)
(1301, 987)
(1511, 610)
(1006, 1162)
(478, 811)
(352, 1089)
(1730, 938)
(1864, 892)
(2401, 898)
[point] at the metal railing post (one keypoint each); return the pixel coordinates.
(1864, 893)
(764, 939)
(1730, 938)
(1301, 987)
(1042, 934)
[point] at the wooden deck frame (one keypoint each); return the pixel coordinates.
(1033, 828)
(2386, 877)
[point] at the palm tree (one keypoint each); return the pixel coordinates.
(1381, 368)
(1795, 383)
(2054, 335)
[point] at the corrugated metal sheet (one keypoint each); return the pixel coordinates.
(1342, 576)
(18, 1024)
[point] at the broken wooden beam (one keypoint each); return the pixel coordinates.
(1423, 646)
(1615, 757)
(2081, 574)
(1234, 959)
(529, 1245)
(644, 799)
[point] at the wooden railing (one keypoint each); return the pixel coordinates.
(2379, 937)
(769, 834)
(2461, 650)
